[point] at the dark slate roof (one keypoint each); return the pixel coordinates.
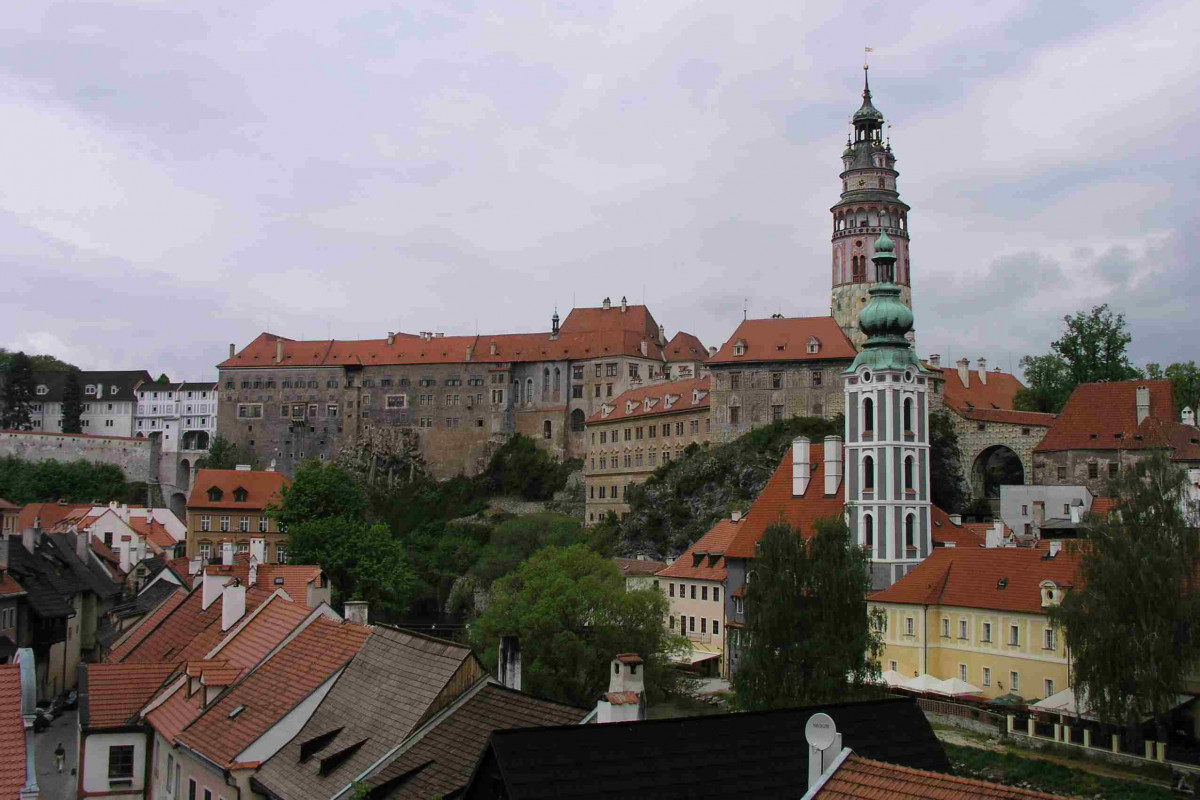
(48, 595)
(758, 754)
(89, 574)
(7, 648)
(125, 381)
(200, 386)
(147, 601)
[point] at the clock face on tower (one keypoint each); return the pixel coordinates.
(862, 182)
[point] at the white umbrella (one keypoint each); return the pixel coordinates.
(955, 687)
(893, 678)
(924, 683)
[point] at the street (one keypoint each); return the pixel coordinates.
(53, 785)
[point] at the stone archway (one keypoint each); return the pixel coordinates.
(183, 474)
(178, 505)
(994, 467)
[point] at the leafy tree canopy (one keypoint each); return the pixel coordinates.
(1185, 383)
(74, 481)
(319, 490)
(1050, 384)
(224, 454)
(946, 488)
(571, 613)
(1132, 620)
(521, 468)
(16, 402)
(809, 637)
(43, 363)
(72, 404)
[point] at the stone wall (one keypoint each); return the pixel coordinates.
(137, 458)
(975, 437)
(756, 396)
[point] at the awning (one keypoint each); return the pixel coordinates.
(924, 683)
(955, 687)
(893, 678)
(1068, 704)
(699, 652)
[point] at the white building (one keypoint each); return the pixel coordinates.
(109, 403)
(183, 418)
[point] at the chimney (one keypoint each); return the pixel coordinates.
(391, 338)
(833, 464)
(29, 538)
(824, 746)
(983, 371)
(356, 611)
(1055, 548)
(258, 549)
(231, 350)
(662, 336)
(227, 553)
(1143, 403)
(625, 700)
(712, 351)
(935, 360)
(492, 348)
(995, 535)
(736, 516)
(955, 519)
(210, 588)
(509, 669)
(439, 335)
(194, 564)
(801, 466)
(1039, 513)
(624, 305)
(252, 576)
(554, 326)
(1188, 417)
(81, 546)
(242, 467)
(233, 604)
(606, 305)
(964, 371)
(278, 350)
(644, 347)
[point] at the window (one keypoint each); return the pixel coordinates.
(607, 390)
(1014, 635)
(1048, 685)
(776, 380)
(262, 524)
(610, 370)
(868, 415)
(672, 589)
(671, 618)
(1048, 642)
(120, 762)
(703, 625)
(962, 631)
(716, 627)
(205, 522)
(909, 625)
(205, 550)
(987, 676)
(869, 532)
(244, 525)
(1093, 469)
(1112, 469)
(962, 672)
(1062, 473)
(716, 594)
(191, 789)
(776, 414)
(396, 401)
(737, 605)
(735, 380)
(693, 591)
(577, 391)
(908, 474)
(225, 522)
(703, 592)
(816, 377)
(1014, 681)
(691, 624)
(910, 532)
(281, 554)
(945, 629)
(868, 474)
(734, 415)
(908, 405)
(547, 430)
(892, 665)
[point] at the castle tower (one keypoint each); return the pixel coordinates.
(870, 205)
(887, 431)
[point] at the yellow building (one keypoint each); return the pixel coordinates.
(980, 615)
(230, 505)
(636, 432)
(694, 586)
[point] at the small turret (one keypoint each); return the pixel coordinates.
(554, 325)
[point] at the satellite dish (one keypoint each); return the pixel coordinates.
(820, 731)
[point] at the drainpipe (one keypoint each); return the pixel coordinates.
(925, 643)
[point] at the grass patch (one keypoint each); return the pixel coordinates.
(1028, 773)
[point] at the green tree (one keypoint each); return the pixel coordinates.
(72, 404)
(17, 399)
(1049, 379)
(515, 540)
(520, 467)
(319, 490)
(224, 454)
(74, 481)
(809, 637)
(1185, 383)
(571, 613)
(946, 487)
(363, 561)
(1132, 620)
(45, 363)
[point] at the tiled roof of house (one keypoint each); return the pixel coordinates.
(150, 598)
(270, 625)
(1102, 505)
(859, 778)
(47, 515)
(261, 489)
(946, 532)
(113, 693)
(173, 714)
(638, 566)
(1103, 416)
(153, 531)
(273, 688)
(997, 393)
(187, 632)
(776, 504)
(442, 760)
(635, 319)
(49, 584)
(388, 688)
(7, 506)
(124, 381)
(748, 754)
(147, 625)
(92, 576)
(198, 386)
(997, 579)
(705, 559)
(12, 732)
(9, 586)
(670, 397)
(1027, 418)
(685, 347)
(292, 578)
(786, 339)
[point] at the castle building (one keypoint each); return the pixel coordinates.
(887, 432)
(870, 205)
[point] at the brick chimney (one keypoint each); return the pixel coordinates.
(278, 350)
(833, 464)
(231, 351)
(509, 665)
(935, 360)
(801, 465)
(1143, 403)
(983, 371)
(356, 611)
(492, 347)
(964, 371)
(391, 340)
(607, 304)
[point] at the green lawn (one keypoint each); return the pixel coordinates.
(1029, 773)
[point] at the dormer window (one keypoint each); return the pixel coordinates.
(628, 406)
(89, 389)
(739, 348)
(42, 389)
(1051, 594)
(112, 390)
(813, 345)
(240, 495)
(215, 494)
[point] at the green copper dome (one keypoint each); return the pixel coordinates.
(886, 320)
(867, 112)
(884, 244)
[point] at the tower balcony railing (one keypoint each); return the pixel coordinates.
(870, 230)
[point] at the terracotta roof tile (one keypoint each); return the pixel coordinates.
(153, 531)
(786, 339)
(270, 626)
(12, 732)
(9, 586)
(776, 504)
(685, 347)
(292, 578)
(859, 778)
(116, 692)
(1102, 505)
(657, 394)
(261, 488)
(47, 514)
(172, 715)
(715, 542)
(998, 393)
(638, 566)
(970, 577)
(1029, 418)
(145, 626)
(1103, 416)
(946, 532)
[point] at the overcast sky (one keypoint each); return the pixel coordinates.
(176, 176)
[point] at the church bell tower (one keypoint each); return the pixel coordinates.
(870, 206)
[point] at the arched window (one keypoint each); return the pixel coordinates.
(908, 415)
(577, 420)
(869, 532)
(547, 430)
(868, 474)
(557, 378)
(908, 474)
(545, 383)
(528, 390)
(868, 415)
(910, 532)
(516, 391)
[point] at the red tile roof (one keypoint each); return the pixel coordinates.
(145, 626)
(638, 566)
(153, 531)
(272, 689)
(261, 488)
(1102, 505)
(712, 543)
(998, 393)
(776, 504)
(969, 577)
(116, 692)
(292, 578)
(1103, 416)
(859, 778)
(635, 319)
(685, 347)
(270, 626)
(786, 339)
(186, 632)
(172, 715)
(1029, 418)
(680, 391)
(947, 532)
(47, 514)
(12, 732)
(9, 586)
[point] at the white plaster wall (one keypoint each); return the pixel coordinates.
(95, 762)
(286, 728)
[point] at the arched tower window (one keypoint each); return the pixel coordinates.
(908, 474)
(868, 474)
(910, 532)
(869, 532)
(545, 382)
(577, 420)
(868, 415)
(557, 380)
(529, 390)
(908, 415)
